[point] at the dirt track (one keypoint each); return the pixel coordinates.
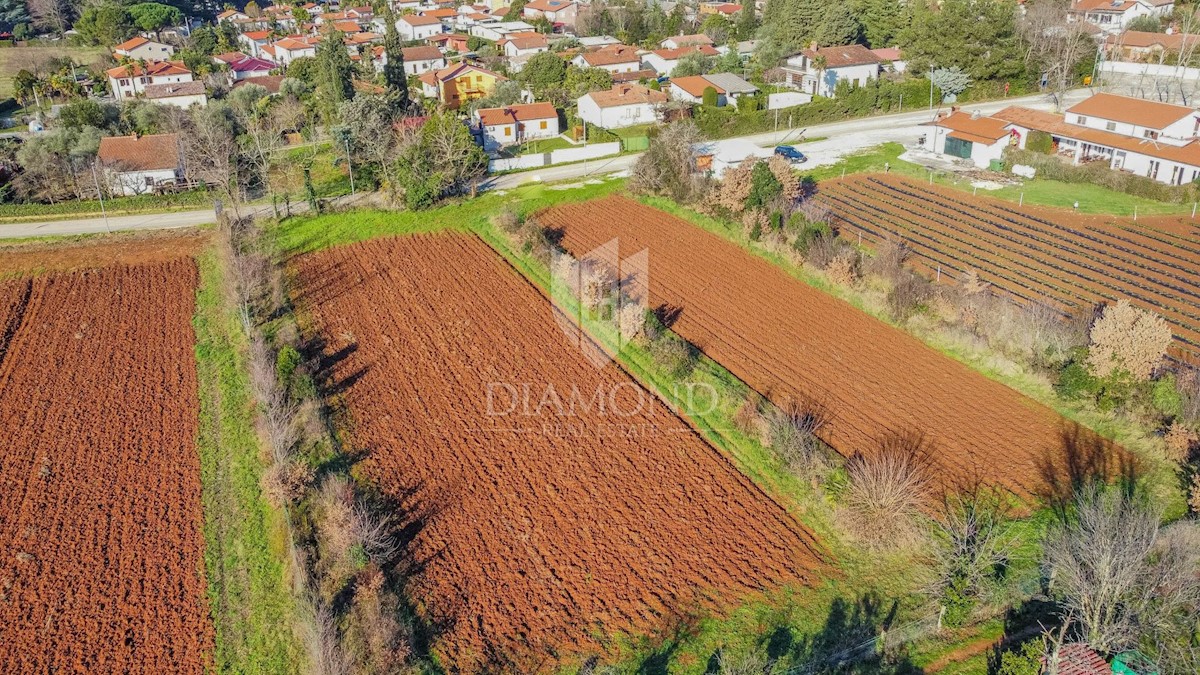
(531, 531)
(792, 342)
(101, 547)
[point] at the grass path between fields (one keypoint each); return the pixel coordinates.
(252, 607)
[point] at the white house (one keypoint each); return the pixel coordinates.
(141, 49)
(1145, 138)
(891, 59)
(289, 49)
(136, 165)
(183, 95)
(558, 12)
(523, 44)
(686, 41)
(613, 58)
(421, 59)
(729, 88)
(717, 157)
(663, 61)
(516, 124)
(254, 40)
(1113, 16)
(818, 71)
(498, 30)
(249, 67)
(625, 105)
(413, 27)
(972, 136)
(131, 79)
(232, 16)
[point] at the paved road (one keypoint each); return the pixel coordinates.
(841, 139)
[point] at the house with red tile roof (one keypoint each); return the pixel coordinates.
(139, 48)
(1114, 16)
(818, 70)
(136, 165)
(663, 61)
(523, 44)
(129, 80)
(613, 58)
(513, 124)
(416, 27)
(625, 105)
(559, 12)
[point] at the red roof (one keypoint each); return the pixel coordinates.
(611, 55)
(1143, 113)
(414, 20)
(257, 35)
(1077, 658)
(678, 52)
(140, 153)
(132, 43)
(250, 64)
(697, 39)
(695, 85)
(153, 68)
(516, 113)
(843, 56)
(422, 53)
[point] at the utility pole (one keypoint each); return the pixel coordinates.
(349, 165)
(100, 194)
(931, 67)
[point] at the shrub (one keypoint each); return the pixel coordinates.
(1040, 141)
(1165, 396)
(764, 186)
(1194, 494)
(709, 97)
(286, 363)
(888, 261)
(1179, 441)
(1098, 173)
(1025, 660)
(807, 232)
(1127, 339)
(756, 232)
(843, 270)
(792, 433)
(673, 355)
(1075, 381)
(824, 249)
(508, 220)
(907, 295)
(887, 489)
(668, 167)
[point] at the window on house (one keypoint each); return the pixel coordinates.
(543, 126)
(1150, 133)
(508, 131)
(1080, 119)
(1111, 126)
(149, 181)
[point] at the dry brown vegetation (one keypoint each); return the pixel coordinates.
(1128, 339)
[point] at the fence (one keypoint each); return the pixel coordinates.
(563, 156)
(1150, 70)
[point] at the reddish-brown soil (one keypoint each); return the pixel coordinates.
(101, 546)
(20, 259)
(1071, 261)
(532, 533)
(791, 342)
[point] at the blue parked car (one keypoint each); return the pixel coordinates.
(791, 154)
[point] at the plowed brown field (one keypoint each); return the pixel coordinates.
(529, 532)
(131, 248)
(101, 547)
(1069, 260)
(790, 341)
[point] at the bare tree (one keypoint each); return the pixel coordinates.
(211, 150)
(1116, 576)
(888, 488)
(968, 547)
(51, 14)
(669, 166)
(1054, 45)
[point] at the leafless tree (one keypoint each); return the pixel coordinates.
(669, 166)
(211, 150)
(1116, 574)
(51, 14)
(968, 541)
(793, 430)
(888, 488)
(1054, 45)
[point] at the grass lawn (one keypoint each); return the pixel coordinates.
(1092, 198)
(633, 132)
(13, 59)
(539, 145)
(245, 538)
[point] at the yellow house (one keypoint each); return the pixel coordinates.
(459, 84)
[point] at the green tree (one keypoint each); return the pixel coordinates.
(393, 71)
(25, 84)
(693, 63)
(444, 160)
(717, 27)
(746, 23)
(86, 113)
(791, 24)
(1147, 24)
(580, 81)
(12, 14)
(204, 40)
(839, 26)
(153, 16)
(764, 187)
(105, 24)
(978, 36)
(306, 69)
(515, 10)
(543, 71)
(882, 21)
(335, 74)
(709, 97)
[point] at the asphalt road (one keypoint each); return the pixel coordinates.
(840, 139)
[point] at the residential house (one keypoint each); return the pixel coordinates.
(725, 9)
(891, 59)
(733, 86)
(634, 76)
(663, 61)
(561, 13)
(686, 41)
(1132, 45)
(499, 127)
(254, 40)
(1114, 16)
(418, 60)
(595, 41)
(523, 44)
(415, 27)
(1146, 138)
(691, 89)
(498, 30)
(289, 49)
(131, 79)
(141, 49)
(625, 105)
(613, 58)
(818, 71)
(136, 165)
(971, 136)
(459, 84)
(181, 95)
(449, 42)
(242, 67)
(232, 16)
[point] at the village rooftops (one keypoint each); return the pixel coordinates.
(415, 20)
(611, 55)
(153, 69)
(697, 39)
(131, 43)
(627, 94)
(525, 40)
(140, 153)
(517, 113)
(1056, 125)
(679, 52)
(695, 85)
(421, 53)
(1143, 113)
(548, 5)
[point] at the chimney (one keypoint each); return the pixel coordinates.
(974, 114)
(813, 45)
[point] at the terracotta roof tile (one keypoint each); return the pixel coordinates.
(1150, 114)
(627, 94)
(140, 153)
(695, 85)
(516, 113)
(421, 53)
(171, 89)
(1055, 124)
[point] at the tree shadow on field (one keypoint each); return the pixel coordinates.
(554, 235)
(323, 281)
(1081, 458)
(667, 315)
(314, 350)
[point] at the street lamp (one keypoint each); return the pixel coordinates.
(349, 165)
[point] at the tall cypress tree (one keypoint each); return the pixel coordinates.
(336, 72)
(393, 70)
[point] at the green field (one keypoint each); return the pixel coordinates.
(13, 59)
